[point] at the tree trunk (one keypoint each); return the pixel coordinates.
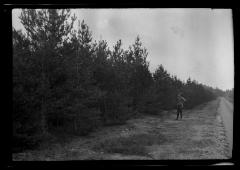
(75, 125)
(43, 108)
(43, 104)
(43, 118)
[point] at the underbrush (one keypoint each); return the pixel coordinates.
(39, 142)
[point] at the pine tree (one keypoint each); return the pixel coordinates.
(140, 76)
(46, 29)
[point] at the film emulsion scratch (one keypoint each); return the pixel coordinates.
(122, 84)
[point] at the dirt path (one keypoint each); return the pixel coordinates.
(199, 135)
(226, 111)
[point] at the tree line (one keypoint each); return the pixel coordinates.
(229, 94)
(64, 80)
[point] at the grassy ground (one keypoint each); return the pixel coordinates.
(132, 145)
(199, 135)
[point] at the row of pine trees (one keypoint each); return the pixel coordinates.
(64, 80)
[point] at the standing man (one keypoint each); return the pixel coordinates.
(180, 101)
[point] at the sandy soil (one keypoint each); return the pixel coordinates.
(199, 135)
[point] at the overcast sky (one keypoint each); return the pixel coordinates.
(196, 43)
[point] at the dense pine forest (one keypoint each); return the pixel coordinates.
(66, 82)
